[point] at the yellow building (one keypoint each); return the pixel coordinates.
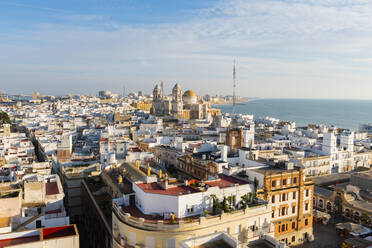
(163, 213)
(290, 194)
(143, 105)
(137, 231)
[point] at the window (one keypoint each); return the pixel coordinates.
(306, 222)
(293, 238)
(279, 228)
(283, 197)
(273, 199)
(283, 211)
(171, 243)
(283, 228)
(273, 183)
(307, 193)
(132, 238)
(190, 209)
(293, 209)
(273, 214)
(150, 242)
(294, 195)
(293, 225)
(294, 180)
(306, 206)
(284, 181)
(238, 229)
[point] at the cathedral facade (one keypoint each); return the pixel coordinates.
(184, 106)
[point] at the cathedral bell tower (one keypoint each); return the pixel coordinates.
(177, 104)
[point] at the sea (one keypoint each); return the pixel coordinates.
(341, 113)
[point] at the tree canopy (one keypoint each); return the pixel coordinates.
(4, 119)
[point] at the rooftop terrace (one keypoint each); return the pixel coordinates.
(35, 235)
(155, 188)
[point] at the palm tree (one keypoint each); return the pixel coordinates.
(225, 205)
(244, 201)
(214, 198)
(250, 197)
(255, 184)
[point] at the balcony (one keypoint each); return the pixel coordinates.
(134, 217)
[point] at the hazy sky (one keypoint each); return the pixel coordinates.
(288, 48)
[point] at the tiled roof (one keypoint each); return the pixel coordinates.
(155, 188)
(225, 181)
(51, 188)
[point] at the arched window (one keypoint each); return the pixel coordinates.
(320, 203)
(329, 206)
(347, 213)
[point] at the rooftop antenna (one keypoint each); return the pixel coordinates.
(234, 86)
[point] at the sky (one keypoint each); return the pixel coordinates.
(282, 48)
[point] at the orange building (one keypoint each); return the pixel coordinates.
(290, 194)
(197, 168)
(234, 138)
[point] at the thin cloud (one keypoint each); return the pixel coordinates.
(278, 44)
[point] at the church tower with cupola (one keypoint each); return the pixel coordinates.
(177, 104)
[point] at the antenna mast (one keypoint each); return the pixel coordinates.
(234, 86)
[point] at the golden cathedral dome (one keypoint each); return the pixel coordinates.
(189, 93)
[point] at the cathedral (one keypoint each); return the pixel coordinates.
(184, 106)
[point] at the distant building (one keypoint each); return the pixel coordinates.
(64, 148)
(187, 106)
(35, 95)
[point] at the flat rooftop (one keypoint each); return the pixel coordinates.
(4, 222)
(155, 188)
(215, 244)
(19, 240)
(51, 188)
(58, 232)
(331, 179)
(35, 235)
(135, 212)
(273, 170)
(225, 181)
(133, 173)
(364, 174)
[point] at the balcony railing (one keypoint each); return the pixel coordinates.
(180, 223)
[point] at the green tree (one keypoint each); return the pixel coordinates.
(225, 205)
(4, 119)
(255, 184)
(250, 197)
(365, 219)
(215, 205)
(245, 201)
